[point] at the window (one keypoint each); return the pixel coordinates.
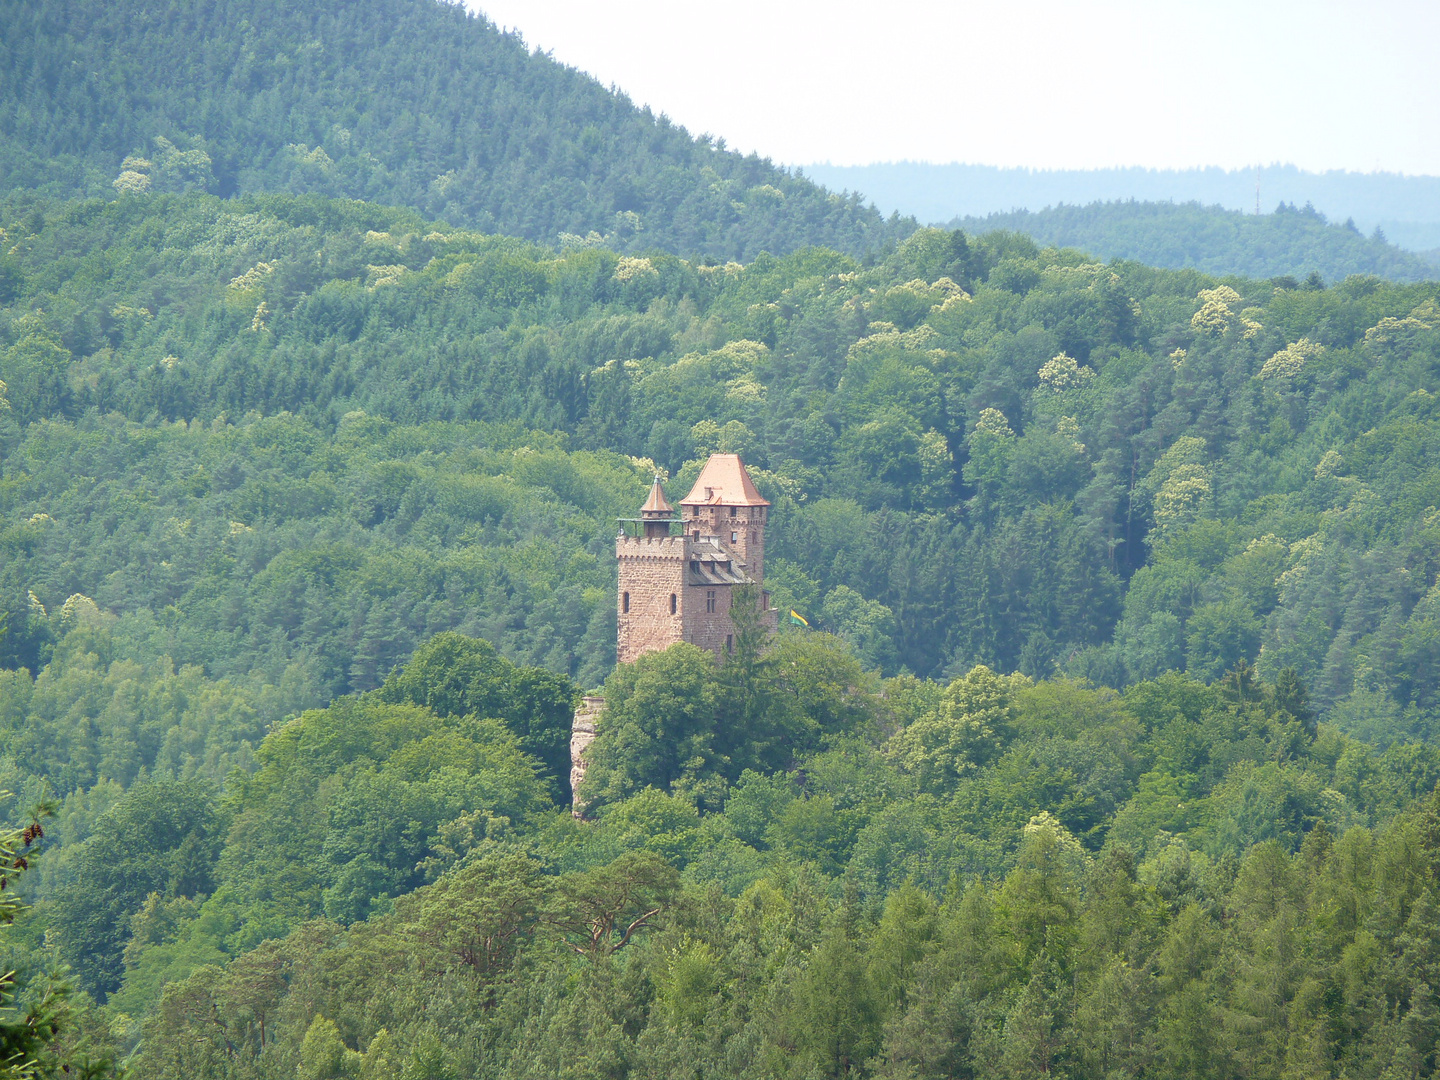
(709, 599)
(729, 642)
(752, 536)
(625, 603)
(672, 603)
(734, 538)
(697, 535)
(732, 511)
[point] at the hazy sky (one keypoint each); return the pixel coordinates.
(1042, 83)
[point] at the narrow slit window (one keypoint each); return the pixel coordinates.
(625, 603)
(729, 642)
(672, 603)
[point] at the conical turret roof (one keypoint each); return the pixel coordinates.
(656, 503)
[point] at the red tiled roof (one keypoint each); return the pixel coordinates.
(724, 482)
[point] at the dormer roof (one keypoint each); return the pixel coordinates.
(724, 482)
(711, 564)
(656, 503)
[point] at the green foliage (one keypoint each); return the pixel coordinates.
(660, 725)
(358, 803)
(1045, 464)
(970, 723)
(994, 876)
(673, 719)
(343, 100)
(1290, 241)
(313, 500)
(1158, 963)
(45, 1032)
(162, 837)
(456, 676)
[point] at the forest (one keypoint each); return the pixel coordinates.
(335, 338)
(287, 439)
(792, 867)
(1290, 240)
(1108, 750)
(413, 103)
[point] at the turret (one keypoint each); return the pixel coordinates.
(657, 513)
(681, 588)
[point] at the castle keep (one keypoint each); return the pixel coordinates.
(679, 588)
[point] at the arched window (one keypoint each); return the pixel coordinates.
(672, 603)
(625, 603)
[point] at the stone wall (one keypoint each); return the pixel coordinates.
(747, 528)
(651, 571)
(710, 630)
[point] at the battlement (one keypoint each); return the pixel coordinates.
(661, 547)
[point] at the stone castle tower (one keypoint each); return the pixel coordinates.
(679, 588)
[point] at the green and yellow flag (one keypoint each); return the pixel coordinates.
(797, 618)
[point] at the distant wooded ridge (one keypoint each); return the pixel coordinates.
(1406, 208)
(401, 102)
(1290, 242)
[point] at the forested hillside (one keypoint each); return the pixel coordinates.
(1107, 751)
(997, 878)
(295, 435)
(407, 102)
(1290, 241)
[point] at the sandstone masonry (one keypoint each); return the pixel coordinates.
(680, 588)
(676, 588)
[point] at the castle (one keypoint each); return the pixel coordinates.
(676, 588)
(679, 588)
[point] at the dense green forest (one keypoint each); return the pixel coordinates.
(408, 102)
(287, 439)
(1108, 753)
(994, 878)
(334, 339)
(1297, 242)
